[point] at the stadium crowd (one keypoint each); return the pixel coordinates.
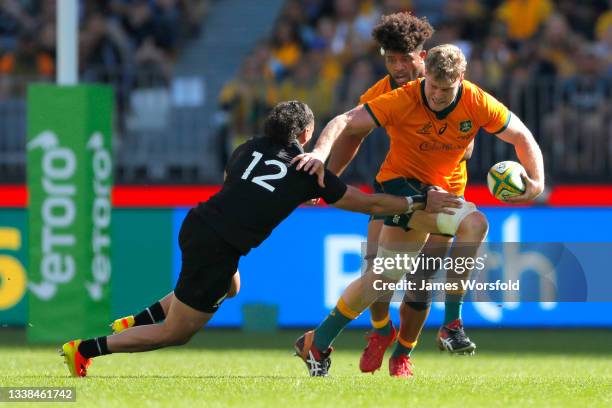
(117, 38)
(550, 61)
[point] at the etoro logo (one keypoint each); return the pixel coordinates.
(101, 216)
(58, 211)
(57, 265)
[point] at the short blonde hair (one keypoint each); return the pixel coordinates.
(445, 62)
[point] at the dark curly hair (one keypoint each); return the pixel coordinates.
(287, 120)
(402, 32)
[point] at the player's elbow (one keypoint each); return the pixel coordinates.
(357, 122)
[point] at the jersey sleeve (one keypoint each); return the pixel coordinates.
(334, 188)
(379, 88)
(387, 108)
(368, 95)
(492, 115)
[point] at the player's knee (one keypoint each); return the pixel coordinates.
(182, 340)
(175, 337)
(474, 225)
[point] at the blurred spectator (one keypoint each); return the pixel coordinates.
(13, 20)
(245, 101)
(582, 14)
(361, 76)
(286, 47)
(330, 68)
(469, 15)
(558, 45)
(324, 35)
(103, 46)
(353, 29)
(450, 32)
(28, 60)
(46, 10)
(523, 18)
(496, 55)
(138, 22)
(294, 14)
(578, 129)
(603, 34)
(192, 14)
(316, 9)
(166, 20)
(152, 28)
(262, 57)
(395, 6)
(307, 85)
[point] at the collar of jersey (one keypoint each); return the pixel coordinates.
(296, 145)
(392, 83)
(446, 111)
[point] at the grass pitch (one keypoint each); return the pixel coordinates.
(522, 368)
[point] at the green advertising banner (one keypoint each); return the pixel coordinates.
(142, 242)
(69, 180)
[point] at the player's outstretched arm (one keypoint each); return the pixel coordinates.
(355, 121)
(344, 151)
(530, 156)
(376, 204)
(437, 201)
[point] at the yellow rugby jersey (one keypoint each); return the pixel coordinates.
(387, 84)
(458, 178)
(428, 145)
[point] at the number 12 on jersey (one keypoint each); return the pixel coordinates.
(261, 180)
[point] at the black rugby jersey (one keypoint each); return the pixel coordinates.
(261, 189)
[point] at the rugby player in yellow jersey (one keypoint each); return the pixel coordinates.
(455, 109)
(401, 37)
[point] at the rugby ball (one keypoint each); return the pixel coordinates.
(504, 180)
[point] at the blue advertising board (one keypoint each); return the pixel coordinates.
(310, 258)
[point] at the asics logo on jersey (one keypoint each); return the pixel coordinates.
(426, 129)
(443, 129)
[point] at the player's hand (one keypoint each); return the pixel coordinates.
(439, 201)
(311, 163)
(533, 189)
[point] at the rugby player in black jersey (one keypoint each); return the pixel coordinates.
(260, 190)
